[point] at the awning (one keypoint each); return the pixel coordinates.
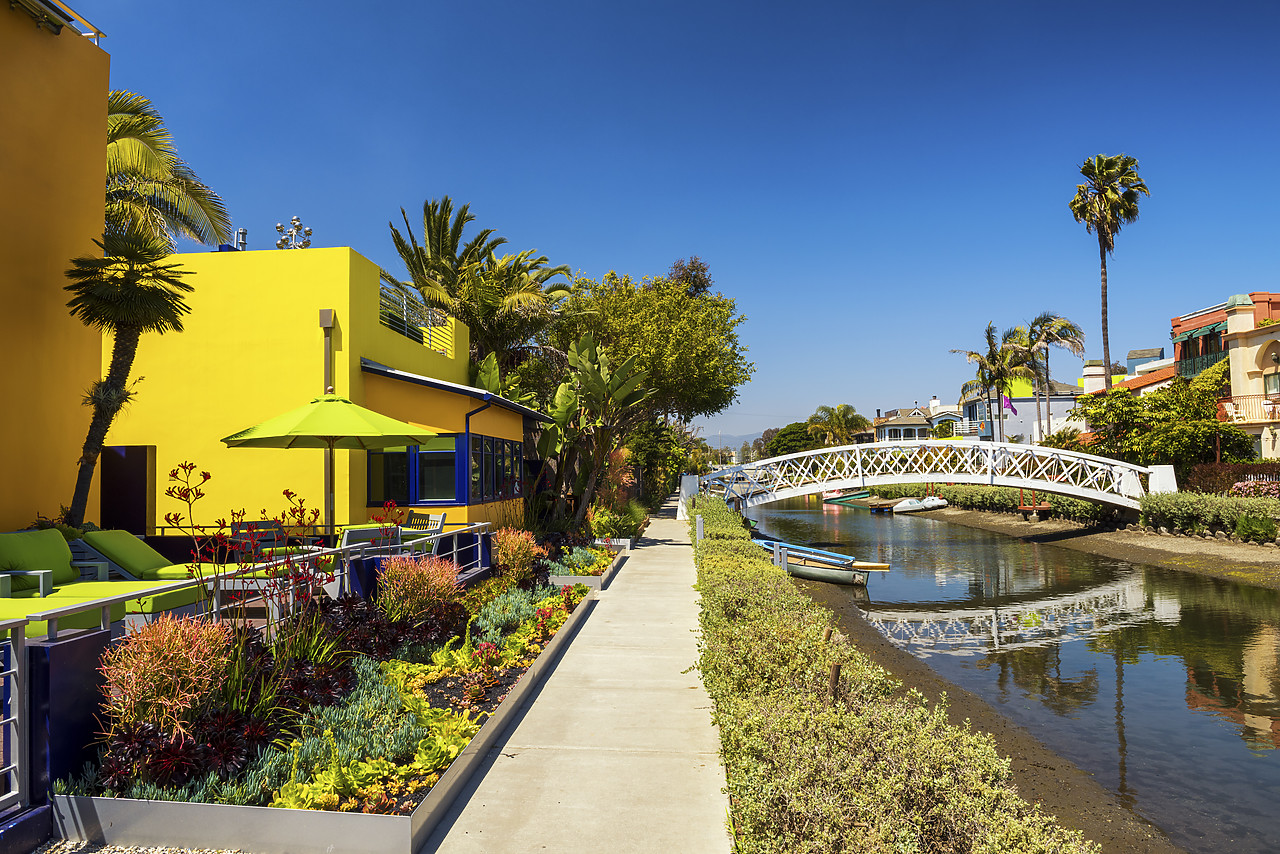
(1182, 336)
(1209, 330)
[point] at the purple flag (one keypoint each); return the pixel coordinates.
(1008, 404)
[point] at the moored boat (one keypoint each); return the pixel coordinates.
(912, 505)
(818, 565)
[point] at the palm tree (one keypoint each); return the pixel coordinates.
(1044, 331)
(127, 293)
(503, 300)
(837, 425)
(1106, 201)
(1004, 360)
(150, 190)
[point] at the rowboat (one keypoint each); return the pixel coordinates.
(818, 565)
(912, 505)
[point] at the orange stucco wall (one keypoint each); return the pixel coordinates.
(53, 100)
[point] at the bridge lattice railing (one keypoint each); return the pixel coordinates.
(995, 463)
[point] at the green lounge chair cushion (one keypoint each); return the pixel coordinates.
(27, 550)
(129, 552)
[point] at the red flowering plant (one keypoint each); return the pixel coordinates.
(282, 574)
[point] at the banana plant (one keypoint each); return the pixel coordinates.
(590, 412)
(490, 379)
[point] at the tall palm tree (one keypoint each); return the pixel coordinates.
(503, 300)
(127, 293)
(837, 425)
(150, 190)
(1106, 201)
(1044, 331)
(1004, 360)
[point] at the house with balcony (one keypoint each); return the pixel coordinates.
(1251, 339)
(1020, 413)
(267, 332)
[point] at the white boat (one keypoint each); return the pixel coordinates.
(912, 505)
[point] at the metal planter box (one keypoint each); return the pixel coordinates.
(269, 830)
(595, 582)
(616, 543)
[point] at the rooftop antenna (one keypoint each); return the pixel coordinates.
(242, 239)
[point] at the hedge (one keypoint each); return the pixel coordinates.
(1193, 512)
(1003, 499)
(873, 769)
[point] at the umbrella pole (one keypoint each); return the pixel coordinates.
(328, 488)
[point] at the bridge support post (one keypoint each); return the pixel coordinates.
(1162, 480)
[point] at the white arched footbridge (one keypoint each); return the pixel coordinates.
(1070, 473)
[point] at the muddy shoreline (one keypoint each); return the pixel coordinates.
(1042, 776)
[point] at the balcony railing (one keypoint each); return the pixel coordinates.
(406, 314)
(1191, 367)
(1252, 408)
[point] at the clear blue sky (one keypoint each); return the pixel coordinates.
(872, 182)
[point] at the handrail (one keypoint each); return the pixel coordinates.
(14, 721)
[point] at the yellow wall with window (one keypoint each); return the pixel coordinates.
(253, 348)
(53, 97)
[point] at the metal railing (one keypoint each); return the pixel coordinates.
(403, 312)
(13, 723)
(1252, 408)
(1191, 367)
(467, 557)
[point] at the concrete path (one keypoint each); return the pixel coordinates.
(616, 751)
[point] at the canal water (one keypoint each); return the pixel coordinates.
(1164, 686)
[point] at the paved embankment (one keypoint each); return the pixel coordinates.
(616, 751)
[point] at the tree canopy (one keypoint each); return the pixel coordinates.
(792, 439)
(688, 345)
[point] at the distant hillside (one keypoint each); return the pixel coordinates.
(731, 442)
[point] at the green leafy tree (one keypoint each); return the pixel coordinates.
(125, 294)
(837, 425)
(150, 190)
(1005, 359)
(662, 452)
(1176, 425)
(744, 453)
(688, 345)
(1106, 201)
(792, 439)
(693, 275)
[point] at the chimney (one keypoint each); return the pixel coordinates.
(1094, 376)
(877, 413)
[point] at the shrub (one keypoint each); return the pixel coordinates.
(1193, 511)
(166, 673)
(504, 613)
(1003, 499)
(517, 551)
(871, 769)
(1256, 489)
(1218, 478)
(581, 561)
(1256, 530)
(411, 587)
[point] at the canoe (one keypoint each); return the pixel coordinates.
(818, 565)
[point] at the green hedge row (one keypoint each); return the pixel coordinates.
(1002, 499)
(1194, 512)
(874, 770)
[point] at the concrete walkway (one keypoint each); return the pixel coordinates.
(616, 751)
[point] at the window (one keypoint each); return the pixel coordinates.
(389, 476)
(1271, 384)
(416, 474)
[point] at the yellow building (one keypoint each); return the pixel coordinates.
(53, 97)
(255, 346)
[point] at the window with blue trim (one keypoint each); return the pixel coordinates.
(446, 471)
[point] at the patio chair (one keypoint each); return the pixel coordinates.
(423, 526)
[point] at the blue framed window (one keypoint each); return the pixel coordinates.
(446, 471)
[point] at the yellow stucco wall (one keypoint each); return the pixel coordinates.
(53, 99)
(253, 348)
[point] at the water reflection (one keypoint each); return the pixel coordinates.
(1165, 686)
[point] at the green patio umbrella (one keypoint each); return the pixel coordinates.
(330, 421)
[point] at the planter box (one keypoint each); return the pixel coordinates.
(615, 543)
(595, 582)
(269, 830)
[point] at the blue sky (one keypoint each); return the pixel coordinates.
(872, 182)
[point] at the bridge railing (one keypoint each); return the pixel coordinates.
(993, 463)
